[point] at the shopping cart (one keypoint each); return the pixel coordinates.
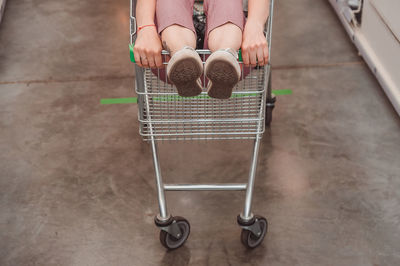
(164, 116)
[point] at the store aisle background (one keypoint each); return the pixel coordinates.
(77, 182)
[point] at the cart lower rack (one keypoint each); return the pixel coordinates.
(164, 115)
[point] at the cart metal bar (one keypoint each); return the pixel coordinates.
(159, 183)
(269, 29)
(132, 24)
(204, 187)
(267, 70)
(162, 203)
(239, 93)
(204, 120)
(247, 215)
(160, 187)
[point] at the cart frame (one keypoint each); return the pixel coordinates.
(157, 126)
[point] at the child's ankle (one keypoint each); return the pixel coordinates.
(185, 47)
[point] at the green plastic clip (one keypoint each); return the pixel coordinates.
(131, 52)
(240, 55)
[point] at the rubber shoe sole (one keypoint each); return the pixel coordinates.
(184, 70)
(223, 71)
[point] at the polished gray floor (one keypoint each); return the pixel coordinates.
(77, 183)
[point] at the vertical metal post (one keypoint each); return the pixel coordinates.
(162, 204)
(159, 183)
(269, 31)
(267, 69)
(247, 215)
(132, 23)
(140, 86)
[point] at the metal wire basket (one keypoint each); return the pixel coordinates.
(165, 115)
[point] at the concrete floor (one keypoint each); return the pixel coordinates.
(77, 183)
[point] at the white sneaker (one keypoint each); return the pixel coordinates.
(223, 71)
(184, 71)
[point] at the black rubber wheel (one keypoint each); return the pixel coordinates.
(249, 239)
(171, 242)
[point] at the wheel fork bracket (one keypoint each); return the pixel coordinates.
(172, 229)
(255, 228)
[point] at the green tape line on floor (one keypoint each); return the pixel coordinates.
(282, 92)
(179, 98)
(119, 100)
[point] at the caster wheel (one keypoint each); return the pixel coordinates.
(249, 239)
(171, 242)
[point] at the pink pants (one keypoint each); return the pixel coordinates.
(180, 12)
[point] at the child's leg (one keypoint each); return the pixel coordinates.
(226, 36)
(175, 37)
(225, 22)
(175, 24)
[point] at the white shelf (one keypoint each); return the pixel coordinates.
(378, 41)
